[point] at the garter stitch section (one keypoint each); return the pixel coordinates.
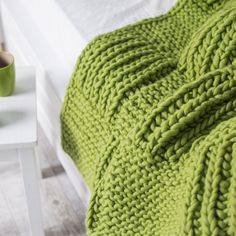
(150, 120)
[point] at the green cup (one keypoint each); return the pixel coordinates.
(7, 74)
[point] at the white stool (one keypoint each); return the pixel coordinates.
(18, 131)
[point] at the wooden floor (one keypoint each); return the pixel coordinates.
(63, 210)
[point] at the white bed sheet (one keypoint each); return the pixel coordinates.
(93, 17)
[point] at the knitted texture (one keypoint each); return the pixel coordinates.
(150, 120)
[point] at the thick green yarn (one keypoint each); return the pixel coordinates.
(150, 120)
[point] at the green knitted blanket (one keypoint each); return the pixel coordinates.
(150, 120)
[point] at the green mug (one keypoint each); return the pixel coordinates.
(7, 74)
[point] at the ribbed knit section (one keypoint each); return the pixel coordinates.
(150, 120)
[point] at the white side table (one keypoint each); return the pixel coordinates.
(18, 130)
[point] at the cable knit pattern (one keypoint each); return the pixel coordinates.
(150, 120)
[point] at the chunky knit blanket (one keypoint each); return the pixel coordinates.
(150, 120)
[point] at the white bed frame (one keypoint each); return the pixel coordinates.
(31, 44)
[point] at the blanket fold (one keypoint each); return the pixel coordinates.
(150, 120)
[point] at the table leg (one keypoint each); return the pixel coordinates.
(29, 169)
(38, 155)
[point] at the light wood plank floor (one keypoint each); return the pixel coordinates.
(63, 210)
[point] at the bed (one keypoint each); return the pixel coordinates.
(51, 35)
